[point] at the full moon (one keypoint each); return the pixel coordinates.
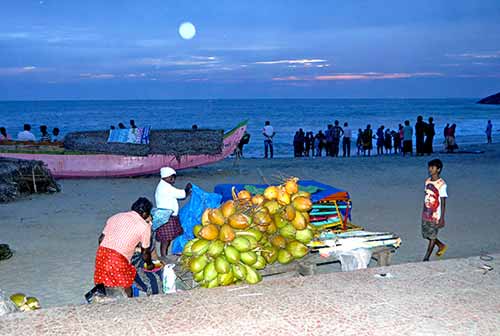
(187, 30)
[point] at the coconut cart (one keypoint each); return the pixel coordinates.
(331, 215)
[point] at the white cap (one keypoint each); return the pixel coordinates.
(166, 172)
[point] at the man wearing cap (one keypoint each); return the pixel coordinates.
(167, 197)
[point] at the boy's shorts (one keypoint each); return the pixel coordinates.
(429, 230)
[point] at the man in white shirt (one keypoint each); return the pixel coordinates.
(166, 197)
(26, 135)
(268, 133)
(346, 141)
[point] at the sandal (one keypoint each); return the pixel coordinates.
(442, 251)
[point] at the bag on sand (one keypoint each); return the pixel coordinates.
(6, 305)
(190, 215)
(169, 279)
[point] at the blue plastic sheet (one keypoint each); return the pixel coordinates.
(190, 215)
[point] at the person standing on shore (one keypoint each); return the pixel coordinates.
(489, 130)
(434, 208)
(55, 134)
(166, 197)
(359, 142)
(388, 141)
(429, 137)
(401, 137)
(268, 133)
(420, 129)
(319, 143)
(337, 132)
(117, 243)
(329, 141)
(407, 138)
(346, 141)
(368, 140)
(380, 140)
(397, 142)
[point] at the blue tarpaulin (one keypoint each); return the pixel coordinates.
(190, 215)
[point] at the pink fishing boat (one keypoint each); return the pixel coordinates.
(111, 165)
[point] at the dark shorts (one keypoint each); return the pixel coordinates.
(170, 230)
(407, 146)
(429, 230)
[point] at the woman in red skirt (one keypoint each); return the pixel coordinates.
(121, 235)
(166, 197)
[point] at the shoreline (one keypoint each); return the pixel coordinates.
(54, 237)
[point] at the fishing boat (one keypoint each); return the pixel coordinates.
(67, 164)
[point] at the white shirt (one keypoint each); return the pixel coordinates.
(268, 130)
(26, 136)
(347, 132)
(166, 197)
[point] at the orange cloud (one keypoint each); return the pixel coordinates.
(360, 76)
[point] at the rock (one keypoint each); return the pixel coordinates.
(493, 100)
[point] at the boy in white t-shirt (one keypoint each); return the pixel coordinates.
(434, 208)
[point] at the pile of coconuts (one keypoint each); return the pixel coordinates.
(245, 234)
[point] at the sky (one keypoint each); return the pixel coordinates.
(69, 49)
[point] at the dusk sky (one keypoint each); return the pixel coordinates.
(249, 49)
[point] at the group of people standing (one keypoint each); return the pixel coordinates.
(27, 135)
(308, 144)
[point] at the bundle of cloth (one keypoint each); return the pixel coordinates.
(138, 135)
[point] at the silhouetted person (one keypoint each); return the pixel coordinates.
(132, 123)
(111, 127)
(346, 141)
(430, 132)
(380, 140)
(337, 132)
(489, 130)
(245, 139)
(368, 140)
(194, 127)
(420, 126)
(121, 126)
(388, 141)
(319, 143)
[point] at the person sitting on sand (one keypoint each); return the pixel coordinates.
(166, 197)
(55, 134)
(45, 135)
(26, 135)
(434, 208)
(117, 243)
(3, 134)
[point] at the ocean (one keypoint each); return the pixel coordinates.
(286, 115)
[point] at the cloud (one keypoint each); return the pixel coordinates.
(294, 61)
(134, 75)
(19, 70)
(360, 76)
(97, 76)
(490, 55)
(190, 61)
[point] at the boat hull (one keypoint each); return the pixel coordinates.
(105, 165)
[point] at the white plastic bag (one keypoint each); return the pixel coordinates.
(6, 305)
(352, 260)
(169, 279)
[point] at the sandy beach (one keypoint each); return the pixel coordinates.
(55, 236)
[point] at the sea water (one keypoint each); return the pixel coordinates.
(286, 115)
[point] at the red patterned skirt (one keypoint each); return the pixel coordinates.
(112, 269)
(170, 230)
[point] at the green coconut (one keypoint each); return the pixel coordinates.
(249, 257)
(209, 273)
(200, 247)
(284, 257)
(239, 271)
(297, 249)
(288, 231)
(242, 244)
(253, 276)
(216, 248)
(19, 299)
(232, 254)
(304, 236)
(260, 263)
(225, 279)
(197, 264)
(222, 265)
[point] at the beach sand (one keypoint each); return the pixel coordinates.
(55, 236)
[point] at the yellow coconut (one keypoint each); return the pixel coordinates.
(204, 217)
(216, 217)
(244, 195)
(302, 204)
(271, 193)
(291, 186)
(228, 208)
(209, 232)
(239, 221)
(258, 199)
(283, 197)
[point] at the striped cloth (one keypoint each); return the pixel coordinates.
(124, 231)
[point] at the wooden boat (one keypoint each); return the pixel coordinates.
(70, 165)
